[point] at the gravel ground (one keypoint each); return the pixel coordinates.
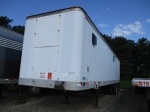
(125, 101)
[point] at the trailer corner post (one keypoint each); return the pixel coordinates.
(20, 96)
(148, 98)
(96, 98)
(66, 97)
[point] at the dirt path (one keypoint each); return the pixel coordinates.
(125, 101)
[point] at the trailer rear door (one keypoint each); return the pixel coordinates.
(46, 43)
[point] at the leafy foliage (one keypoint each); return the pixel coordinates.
(19, 29)
(134, 57)
(5, 22)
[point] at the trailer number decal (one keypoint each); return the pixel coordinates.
(49, 75)
(143, 83)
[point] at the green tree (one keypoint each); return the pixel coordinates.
(5, 22)
(141, 58)
(134, 57)
(19, 29)
(123, 49)
(108, 39)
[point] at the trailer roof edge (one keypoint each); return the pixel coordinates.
(71, 9)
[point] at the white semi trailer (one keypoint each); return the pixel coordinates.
(63, 49)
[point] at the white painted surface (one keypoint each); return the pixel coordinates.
(62, 44)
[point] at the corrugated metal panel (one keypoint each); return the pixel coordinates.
(10, 44)
(10, 53)
(11, 35)
(9, 62)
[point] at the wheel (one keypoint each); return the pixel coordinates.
(115, 89)
(118, 87)
(110, 89)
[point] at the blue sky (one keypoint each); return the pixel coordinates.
(128, 18)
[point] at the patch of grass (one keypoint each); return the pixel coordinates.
(126, 85)
(9, 87)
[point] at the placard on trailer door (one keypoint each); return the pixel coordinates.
(46, 41)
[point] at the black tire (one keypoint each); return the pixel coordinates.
(110, 89)
(115, 89)
(118, 87)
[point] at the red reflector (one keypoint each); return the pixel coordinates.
(29, 16)
(11, 79)
(136, 85)
(71, 8)
(49, 75)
